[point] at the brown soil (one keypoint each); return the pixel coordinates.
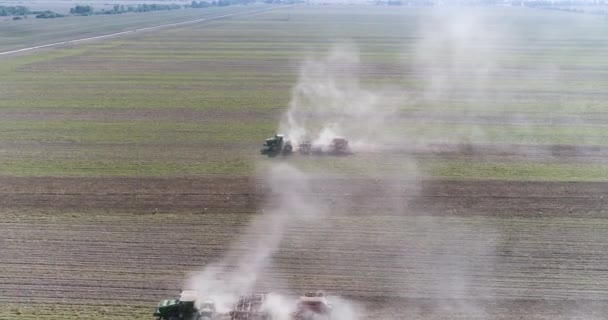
(347, 195)
(429, 249)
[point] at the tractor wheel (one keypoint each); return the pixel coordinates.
(287, 150)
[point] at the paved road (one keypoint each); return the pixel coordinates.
(116, 34)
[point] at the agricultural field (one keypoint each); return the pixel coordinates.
(63, 6)
(477, 188)
(35, 32)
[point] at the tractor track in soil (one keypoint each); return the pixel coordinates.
(353, 195)
(399, 246)
(103, 241)
(91, 256)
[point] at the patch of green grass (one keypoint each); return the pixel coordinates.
(360, 165)
(237, 74)
(230, 165)
(39, 311)
(528, 109)
(132, 132)
(503, 134)
(31, 32)
(532, 171)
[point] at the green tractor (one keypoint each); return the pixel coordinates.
(184, 308)
(277, 145)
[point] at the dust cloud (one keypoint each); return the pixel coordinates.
(477, 78)
(239, 271)
(328, 101)
(456, 54)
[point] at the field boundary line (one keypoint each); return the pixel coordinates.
(131, 31)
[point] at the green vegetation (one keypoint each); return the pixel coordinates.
(229, 165)
(200, 99)
(104, 145)
(49, 15)
(84, 312)
(87, 10)
(200, 4)
(504, 134)
(43, 31)
(82, 10)
(13, 11)
(523, 171)
(118, 9)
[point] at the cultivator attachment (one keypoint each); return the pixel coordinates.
(250, 308)
(337, 147)
(311, 306)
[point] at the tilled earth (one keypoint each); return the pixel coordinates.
(350, 195)
(431, 249)
(401, 248)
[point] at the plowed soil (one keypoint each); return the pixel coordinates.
(431, 249)
(349, 195)
(128, 164)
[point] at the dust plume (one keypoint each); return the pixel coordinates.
(457, 49)
(475, 81)
(475, 89)
(239, 271)
(281, 307)
(360, 234)
(330, 101)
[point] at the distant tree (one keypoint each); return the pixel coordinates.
(82, 10)
(49, 15)
(21, 10)
(13, 11)
(201, 4)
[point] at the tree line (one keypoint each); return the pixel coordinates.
(13, 11)
(86, 10)
(116, 9)
(20, 12)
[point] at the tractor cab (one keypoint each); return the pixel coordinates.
(274, 141)
(276, 145)
(183, 308)
(167, 309)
